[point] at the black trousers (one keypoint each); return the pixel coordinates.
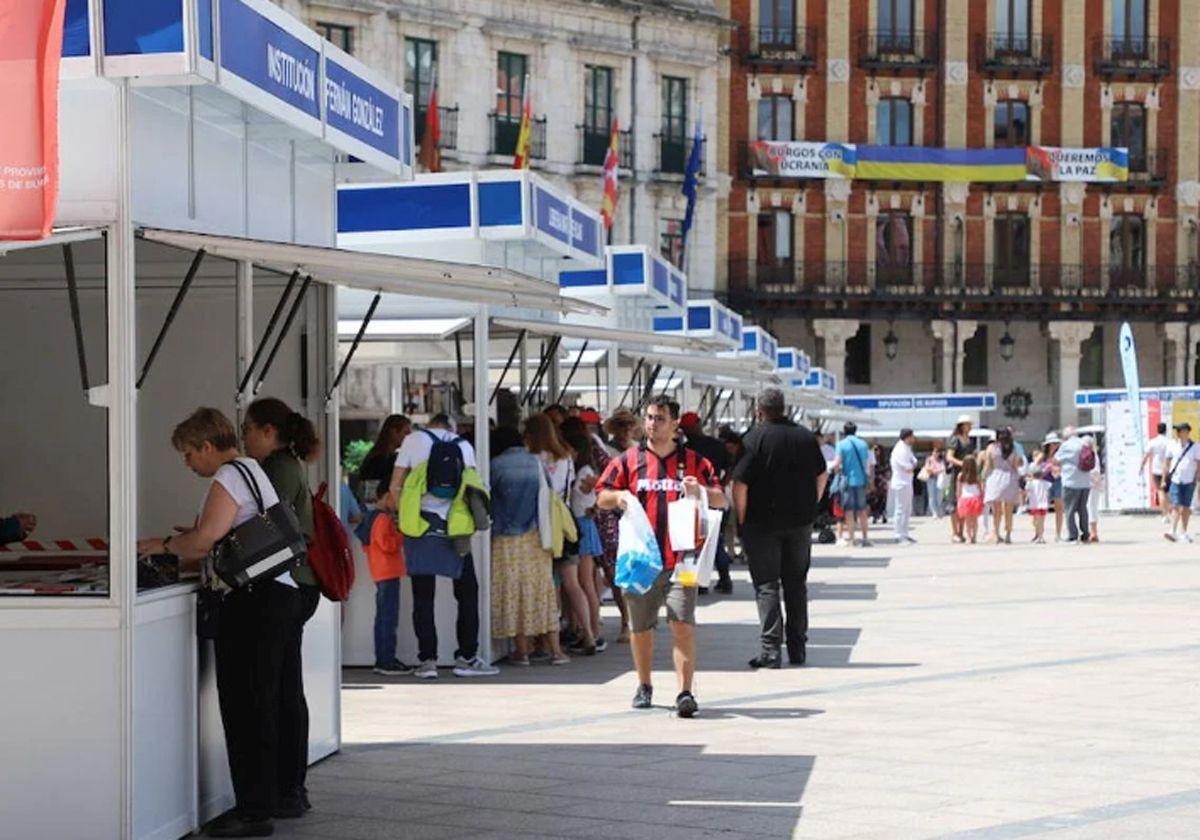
(466, 592)
(779, 560)
(293, 708)
(257, 623)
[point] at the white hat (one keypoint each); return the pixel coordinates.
(964, 418)
(1051, 438)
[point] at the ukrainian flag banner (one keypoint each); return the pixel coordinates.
(923, 163)
(1096, 166)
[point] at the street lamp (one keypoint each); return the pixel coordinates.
(1007, 344)
(891, 344)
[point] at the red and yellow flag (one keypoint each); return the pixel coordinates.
(608, 206)
(31, 36)
(525, 134)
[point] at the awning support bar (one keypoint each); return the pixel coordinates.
(362, 329)
(287, 325)
(650, 380)
(171, 313)
(563, 393)
(458, 361)
(712, 409)
(507, 366)
(543, 367)
(632, 379)
(73, 297)
(262, 344)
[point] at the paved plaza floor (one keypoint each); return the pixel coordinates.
(968, 692)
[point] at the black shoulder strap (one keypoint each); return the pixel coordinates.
(1179, 460)
(248, 477)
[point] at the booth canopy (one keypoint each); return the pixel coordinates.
(590, 332)
(383, 272)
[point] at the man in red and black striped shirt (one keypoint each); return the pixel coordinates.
(656, 472)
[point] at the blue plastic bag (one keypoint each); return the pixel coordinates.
(639, 559)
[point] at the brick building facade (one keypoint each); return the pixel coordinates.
(945, 270)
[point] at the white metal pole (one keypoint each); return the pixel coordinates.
(245, 329)
(326, 322)
(523, 359)
(612, 362)
(122, 442)
(482, 549)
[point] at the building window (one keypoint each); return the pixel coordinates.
(893, 122)
(893, 249)
(858, 357)
(671, 241)
(775, 118)
(1127, 250)
(1129, 131)
(1012, 26)
(1010, 250)
(896, 24)
(1129, 25)
(777, 23)
(337, 34)
(420, 67)
(598, 100)
(1091, 360)
(975, 358)
(673, 139)
(511, 70)
(775, 258)
(1011, 124)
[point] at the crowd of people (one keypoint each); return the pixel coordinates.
(552, 512)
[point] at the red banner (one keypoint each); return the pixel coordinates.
(31, 33)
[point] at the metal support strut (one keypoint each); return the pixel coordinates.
(73, 296)
(362, 329)
(287, 325)
(543, 367)
(632, 379)
(563, 393)
(171, 313)
(507, 365)
(262, 344)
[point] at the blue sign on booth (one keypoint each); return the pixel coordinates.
(362, 112)
(585, 233)
(552, 215)
(77, 29)
(1084, 399)
(918, 402)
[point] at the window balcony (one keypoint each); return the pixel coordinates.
(1015, 55)
(504, 130)
(1148, 170)
(447, 127)
(673, 154)
(786, 49)
(1133, 58)
(894, 50)
(593, 147)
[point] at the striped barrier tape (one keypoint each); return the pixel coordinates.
(85, 544)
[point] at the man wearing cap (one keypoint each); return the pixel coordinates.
(1179, 474)
(776, 486)
(717, 454)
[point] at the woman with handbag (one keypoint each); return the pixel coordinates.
(523, 601)
(256, 617)
(282, 440)
(543, 440)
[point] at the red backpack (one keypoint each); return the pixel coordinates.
(329, 554)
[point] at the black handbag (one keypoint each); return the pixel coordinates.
(262, 547)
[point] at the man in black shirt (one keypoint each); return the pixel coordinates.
(718, 455)
(776, 486)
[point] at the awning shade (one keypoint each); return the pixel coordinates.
(59, 236)
(400, 329)
(746, 370)
(598, 333)
(384, 272)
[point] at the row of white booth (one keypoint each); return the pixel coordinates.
(237, 214)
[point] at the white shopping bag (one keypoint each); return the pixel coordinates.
(686, 525)
(695, 568)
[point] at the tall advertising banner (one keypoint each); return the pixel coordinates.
(31, 37)
(1132, 386)
(1127, 488)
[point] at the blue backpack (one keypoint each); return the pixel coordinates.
(445, 471)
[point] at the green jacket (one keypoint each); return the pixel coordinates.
(460, 523)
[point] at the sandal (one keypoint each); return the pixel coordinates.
(522, 661)
(560, 659)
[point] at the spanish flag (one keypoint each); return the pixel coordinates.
(608, 206)
(525, 134)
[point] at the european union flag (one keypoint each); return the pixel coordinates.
(690, 172)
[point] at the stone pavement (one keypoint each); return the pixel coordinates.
(968, 692)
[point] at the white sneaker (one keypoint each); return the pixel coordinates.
(474, 667)
(843, 543)
(1187, 537)
(426, 671)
